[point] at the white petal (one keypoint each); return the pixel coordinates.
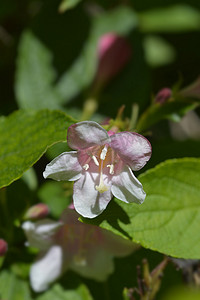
(87, 200)
(86, 134)
(46, 269)
(64, 167)
(127, 187)
(40, 234)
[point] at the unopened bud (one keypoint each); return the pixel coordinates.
(114, 52)
(3, 247)
(163, 95)
(37, 211)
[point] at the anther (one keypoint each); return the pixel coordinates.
(111, 169)
(103, 153)
(86, 167)
(95, 160)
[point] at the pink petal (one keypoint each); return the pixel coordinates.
(86, 134)
(64, 167)
(47, 269)
(127, 188)
(87, 200)
(134, 149)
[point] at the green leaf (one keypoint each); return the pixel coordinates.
(12, 287)
(158, 51)
(58, 293)
(172, 110)
(168, 220)
(68, 4)
(176, 18)
(182, 293)
(57, 195)
(25, 136)
(120, 21)
(35, 75)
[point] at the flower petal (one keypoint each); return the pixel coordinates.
(40, 234)
(64, 167)
(98, 264)
(87, 200)
(86, 134)
(133, 148)
(127, 188)
(47, 269)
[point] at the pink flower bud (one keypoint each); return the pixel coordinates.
(37, 211)
(163, 95)
(113, 52)
(3, 247)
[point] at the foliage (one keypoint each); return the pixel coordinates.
(50, 58)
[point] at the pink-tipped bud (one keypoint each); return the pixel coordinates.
(37, 211)
(193, 90)
(163, 95)
(114, 52)
(3, 247)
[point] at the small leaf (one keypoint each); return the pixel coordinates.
(35, 75)
(58, 293)
(158, 51)
(25, 136)
(168, 220)
(176, 18)
(13, 288)
(68, 4)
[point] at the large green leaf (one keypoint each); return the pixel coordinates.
(25, 136)
(13, 288)
(176, 18)
(168, 221)
(35, 75)
(58, 293)
(121, 20)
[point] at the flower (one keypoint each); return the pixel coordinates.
(70, 244)
(101, 166)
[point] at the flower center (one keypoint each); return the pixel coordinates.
(102, 160)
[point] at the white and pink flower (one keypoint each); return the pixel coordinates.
(101, 166)
(70, 244)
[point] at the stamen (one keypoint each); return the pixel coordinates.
(103, 153)
(86, 167)
(101, 188)
(95, 160)
(111, 168)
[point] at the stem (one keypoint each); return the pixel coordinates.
(89, 108)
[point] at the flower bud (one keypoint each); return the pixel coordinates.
(37, 211)
(3, 247)
(113, 53)
(163, 95)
